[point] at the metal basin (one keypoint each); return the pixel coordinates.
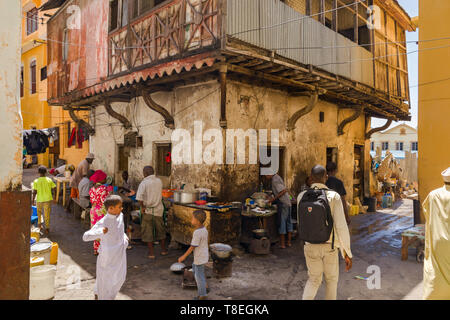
(180, 196)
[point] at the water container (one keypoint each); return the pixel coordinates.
(32, 241)
(42, 249)
(54, 253)
(35, 233)
(42, 282)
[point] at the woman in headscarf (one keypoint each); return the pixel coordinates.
(97, 195)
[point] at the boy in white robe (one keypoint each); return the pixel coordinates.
(112, 259)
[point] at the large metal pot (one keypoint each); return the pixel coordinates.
(221, 250)
(180, 196)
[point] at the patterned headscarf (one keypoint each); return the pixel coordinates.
(98, 176)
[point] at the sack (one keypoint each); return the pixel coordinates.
(314, 217)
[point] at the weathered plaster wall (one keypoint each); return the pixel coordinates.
(10, 121)
(187, 104)
(305, 146)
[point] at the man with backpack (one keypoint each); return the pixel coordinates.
(322, 225)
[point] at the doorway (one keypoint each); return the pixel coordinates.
(358, 172)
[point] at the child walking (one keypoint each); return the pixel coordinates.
(199, 245)
(112, 258)
(43, 193)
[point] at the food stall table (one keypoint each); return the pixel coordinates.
(252, 220)
(62, 180)
(223, 227)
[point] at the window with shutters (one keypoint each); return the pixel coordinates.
(399, 146)
(414, 146)
(32, 21)
(384, 146)
(43, 73)
(33, 76)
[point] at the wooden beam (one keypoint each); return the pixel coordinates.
(269, 77)
(223, 95)
(81, 122)
(314, 97)
(126, 123)
(382, 128)
(168, 119)
(348, 120)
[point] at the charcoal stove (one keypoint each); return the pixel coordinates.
(222, 267)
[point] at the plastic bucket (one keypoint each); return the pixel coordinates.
(36, 261)
(42, 282)
(42, 249)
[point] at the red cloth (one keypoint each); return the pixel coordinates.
(80, 138)
(98, 176)
(72, 137)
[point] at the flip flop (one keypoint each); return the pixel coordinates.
(151, 257)
(164, 253)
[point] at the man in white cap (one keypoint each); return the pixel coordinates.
(436, 268)
(80, 172)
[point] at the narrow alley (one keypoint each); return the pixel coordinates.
(376, 240)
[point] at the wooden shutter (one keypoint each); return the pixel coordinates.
(33, 76)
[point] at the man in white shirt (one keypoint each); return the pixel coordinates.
(322, 259)
(149, 195)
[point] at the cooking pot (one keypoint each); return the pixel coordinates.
(221, 250)
(180, 196)
(259, 233)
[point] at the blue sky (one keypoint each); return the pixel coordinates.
(412, 7)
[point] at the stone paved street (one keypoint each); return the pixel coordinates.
(376, 240)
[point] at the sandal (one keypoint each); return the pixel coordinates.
(151, 257)
(164, 253)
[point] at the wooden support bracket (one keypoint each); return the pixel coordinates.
(168, 119)
(384, 127)
(313, 98)
(80, 122)
(348, 120)
(116, 115)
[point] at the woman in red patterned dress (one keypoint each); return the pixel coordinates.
(98, 194)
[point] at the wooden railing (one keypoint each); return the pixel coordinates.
(175, 30)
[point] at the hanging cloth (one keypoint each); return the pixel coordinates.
(72, 137)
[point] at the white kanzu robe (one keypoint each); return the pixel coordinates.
(112, 259)
(436, 267)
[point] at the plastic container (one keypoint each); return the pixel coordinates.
(34, 216)
(35, 233)
(54, 253)
(42, 282)
(354, 210)
(32, 241)
(36, 261)
(42, 249)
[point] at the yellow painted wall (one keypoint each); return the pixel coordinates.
(35, 110)
(434, 96)
(72, 155)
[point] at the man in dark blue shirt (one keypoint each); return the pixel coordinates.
(337, 185)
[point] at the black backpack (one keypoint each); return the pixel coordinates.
(314, 217)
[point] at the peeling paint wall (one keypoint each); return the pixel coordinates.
(10, 121)
(305, 146)
(199, 102)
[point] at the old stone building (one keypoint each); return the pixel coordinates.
(144, 70)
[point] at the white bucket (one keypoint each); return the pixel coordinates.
(42, 282)
(42, 249)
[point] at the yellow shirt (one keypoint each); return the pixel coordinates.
(43, 187)
(436, 267)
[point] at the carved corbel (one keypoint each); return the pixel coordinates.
(313, 98)
(81, 122)
(384, 127)
(168, 119)
(116, 115)
(348, 120)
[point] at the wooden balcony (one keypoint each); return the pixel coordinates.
(176, 30)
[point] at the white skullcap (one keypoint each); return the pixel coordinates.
(446, 174)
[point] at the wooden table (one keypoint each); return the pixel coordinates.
(413, 236)
(62, 180)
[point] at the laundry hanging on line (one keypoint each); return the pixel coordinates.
(77, 137)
